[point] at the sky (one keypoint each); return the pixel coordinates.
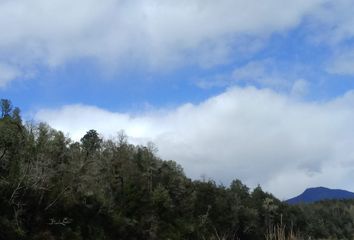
(230, 89)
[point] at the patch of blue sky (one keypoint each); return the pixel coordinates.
(83, 82)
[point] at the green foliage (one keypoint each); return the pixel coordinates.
(6, 108)
(91, 142)
(54, 188)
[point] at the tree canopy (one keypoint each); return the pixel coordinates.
(52, 187)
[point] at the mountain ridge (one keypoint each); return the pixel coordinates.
(315, 194)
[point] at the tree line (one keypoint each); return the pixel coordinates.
(52, 187)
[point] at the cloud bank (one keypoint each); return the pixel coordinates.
(258, 136)
(150, 33)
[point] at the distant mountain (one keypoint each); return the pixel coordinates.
(320, 193)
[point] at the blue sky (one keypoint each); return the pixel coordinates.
(172, 72)
(130, 88)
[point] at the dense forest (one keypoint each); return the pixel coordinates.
(52, 187)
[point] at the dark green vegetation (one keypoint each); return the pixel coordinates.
(55, 188)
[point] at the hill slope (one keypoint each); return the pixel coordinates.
(311, 195)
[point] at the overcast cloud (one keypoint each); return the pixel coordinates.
(258, 136)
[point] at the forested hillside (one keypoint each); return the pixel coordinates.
(54, 188)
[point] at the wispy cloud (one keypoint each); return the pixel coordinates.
(332, 22)
(7, 74)
(265, 73)
(342, 63)
(259, 136)
(262, 72)
(332, 25)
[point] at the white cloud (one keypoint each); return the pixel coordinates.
(262, 72)
(300, 88)
(333, 21)
(259, 136)
(7, 73)
(333, 25)
(342, 63)
(153, 33)
(266, 73)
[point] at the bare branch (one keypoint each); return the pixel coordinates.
(57, 198)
